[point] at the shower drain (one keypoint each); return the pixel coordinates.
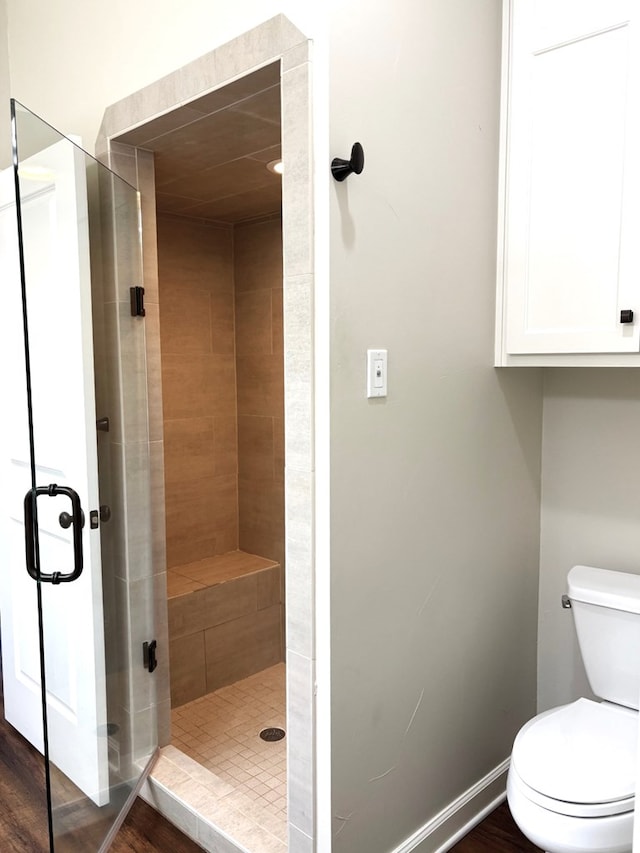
(272, 733)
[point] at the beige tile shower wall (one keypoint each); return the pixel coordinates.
(274, 39)
(145, 175)
(259, 358)
(199, 388)
(134, 481)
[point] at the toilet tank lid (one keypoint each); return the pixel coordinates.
(606, 588)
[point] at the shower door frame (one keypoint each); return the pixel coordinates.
(79, 198)
(277, 40)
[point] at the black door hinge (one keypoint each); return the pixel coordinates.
(137, 301)
(149, 655)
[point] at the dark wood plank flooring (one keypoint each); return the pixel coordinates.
(496, 834)
(146, 831)
(23, 809)
(23, 812)
(23, 822)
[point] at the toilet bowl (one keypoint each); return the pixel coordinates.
(571, 782)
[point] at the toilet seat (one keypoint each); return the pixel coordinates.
(579, 759)
(562, 807)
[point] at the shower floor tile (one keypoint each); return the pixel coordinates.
(221, 731)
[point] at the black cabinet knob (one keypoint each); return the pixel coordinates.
(626, 316)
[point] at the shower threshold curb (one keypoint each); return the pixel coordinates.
(205, 807)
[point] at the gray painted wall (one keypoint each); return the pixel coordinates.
(70, 80)
(435, 490)
(590, 504)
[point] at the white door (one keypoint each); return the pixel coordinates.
(572, 255)
(57, 266)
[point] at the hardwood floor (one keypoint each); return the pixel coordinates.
(23, 827)
(23, 816)
(496, 834)
(146, 831)
(23, 809)
(23, 823)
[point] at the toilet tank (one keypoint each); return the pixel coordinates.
(606, 609)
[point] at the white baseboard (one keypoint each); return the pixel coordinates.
(445, 829)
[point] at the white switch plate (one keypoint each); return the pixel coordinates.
(376, 373)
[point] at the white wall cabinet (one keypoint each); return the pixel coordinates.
(569, 225)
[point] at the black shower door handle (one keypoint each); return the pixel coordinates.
(30, 532)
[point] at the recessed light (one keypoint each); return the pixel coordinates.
(276, 167)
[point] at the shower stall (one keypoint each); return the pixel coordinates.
(77, 613)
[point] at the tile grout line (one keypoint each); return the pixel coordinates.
(259, 696)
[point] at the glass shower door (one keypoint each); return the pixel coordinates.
(81, 688)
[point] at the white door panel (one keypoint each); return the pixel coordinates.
(56, 257)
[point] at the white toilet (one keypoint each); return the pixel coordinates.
(571, 783)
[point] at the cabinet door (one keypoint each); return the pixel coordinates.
(572, 190)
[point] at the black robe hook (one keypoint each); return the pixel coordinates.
(341, 169)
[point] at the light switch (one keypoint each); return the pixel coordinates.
(376, 373)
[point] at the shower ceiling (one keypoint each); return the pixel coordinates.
(211, 156)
